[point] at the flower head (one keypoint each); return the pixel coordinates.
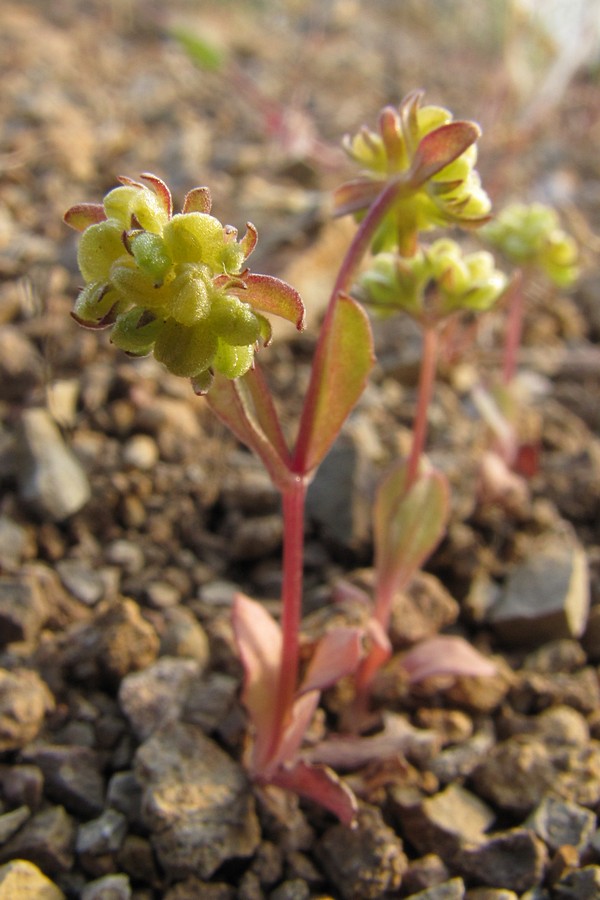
(432, 157)
(175, 285)
(531, 235)
(434, 283)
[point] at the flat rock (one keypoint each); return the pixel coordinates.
(196, 801)
(102, 835)
(367, 861)
(23, 609)
(109, 887)
(558, 822)
(156, 695)
(24, 702)
(50, 477)
(581, 884)
(514, 859)
(22, 880)
(72, 776)
(546, 597)
(10, 822)
(184, 636)
(47, 839)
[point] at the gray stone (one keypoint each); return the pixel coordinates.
(24, 702)
(184, 636)
(210, 700)
(16, 543)
(196, 801)
(21, 366)
(47, 840)
(514, 859)
(448, 890)
(109, 887)
(459, 761)
(22, 879)
(124, 793)
(294, 889)
(83, 582)
(444, 822)
(102, 835)
(72, 776)
(156, 695)
(50, 477)
(141, 452)
(23, 785)
(10, 822)
(515, 774)
(423, 873)
(487, 893)
(581, 884)
(558, 822)
(367, 861)
(23, 609)
(546, 597)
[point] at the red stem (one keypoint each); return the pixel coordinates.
(514, 328)
(426, 383)
(293, 554)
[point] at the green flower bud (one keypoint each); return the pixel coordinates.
(151, 255)
(185, 350)
(233, 362)
(135, 286)
(95, 303)
(196, 238)
(99, 247)
(191, 290)
(234, 321)
(135, 206)
(532, 236)
(135, 331)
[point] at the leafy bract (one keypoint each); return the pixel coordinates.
(445, 655)
(343, 361)
(439, 148)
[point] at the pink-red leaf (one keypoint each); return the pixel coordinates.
(341, 367)
(197, 200)
(355, 195)
(293, 735)
(445, 655)
(82, 215)
(271, 295)
(250, 240)
(259, 642)
(337, 654)
(440, 147)
(322, 785)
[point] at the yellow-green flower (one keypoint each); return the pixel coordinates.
(175, 285)
(432, 158)
(532, 236)
(433, 283)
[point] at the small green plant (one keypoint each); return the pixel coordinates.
(177, 286)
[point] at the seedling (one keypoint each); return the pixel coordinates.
(177, 286)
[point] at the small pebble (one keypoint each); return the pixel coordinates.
(141, 452)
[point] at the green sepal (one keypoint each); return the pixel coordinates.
(151, 255)
(184, 350)
(234, 321)
(96, 305)
(100, 245)
(233, 362)
(191, 294)
(136, 287)
(135, 331)
(195, 237)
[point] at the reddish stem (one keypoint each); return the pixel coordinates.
(514, 328)
(426, 383)
(293, 499)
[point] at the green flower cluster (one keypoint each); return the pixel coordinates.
(174, 285)
(434, 283)
(435, 158)
(532, 236)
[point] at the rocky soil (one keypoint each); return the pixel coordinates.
(129, 517)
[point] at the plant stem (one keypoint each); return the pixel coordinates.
(514, 328)
(426, 382)
(293, 499)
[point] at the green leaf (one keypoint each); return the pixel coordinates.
(343, 361)
(204, 54)
(441, 147)
(408, 524)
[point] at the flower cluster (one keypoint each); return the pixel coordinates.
(530, 235)
(174, 285)
(437, 281)
(432, 157)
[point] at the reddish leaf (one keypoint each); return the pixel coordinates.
(391, 133)
(355, 195)
(379, 652)
(337, 654)
(161, 190)
(320, 784)
(83, 215)
(197, 200)
(250, 240)
(273, 296)
(293, 735)
(441, 147)
(343, 360)
(445, 655)
(253, 385)
(259, 642)
(233, 404)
